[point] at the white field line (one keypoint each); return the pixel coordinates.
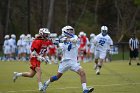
(73, 87)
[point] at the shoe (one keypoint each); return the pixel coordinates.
(129, 63)
(138, 64)
(97, 71)
(40, 87)
(15, 76)
(45, 86)
(89, 90)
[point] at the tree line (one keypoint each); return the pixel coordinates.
(26, 16)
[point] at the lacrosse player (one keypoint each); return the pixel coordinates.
(69, 59)
(38, 55)
(102, 41)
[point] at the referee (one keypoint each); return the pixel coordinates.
(134, 46)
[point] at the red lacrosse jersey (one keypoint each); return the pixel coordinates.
(40, 46)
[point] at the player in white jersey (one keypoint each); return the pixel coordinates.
(92, 47)
(6, 47)
(102, 41)
(69, 59)
(28, 41)
(13, 46)
(21, 44)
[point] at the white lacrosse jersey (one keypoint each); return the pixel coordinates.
(102, 43)
(69, 54)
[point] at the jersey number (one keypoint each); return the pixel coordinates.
(101, 42)
(42, 51)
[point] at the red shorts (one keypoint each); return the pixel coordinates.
(34, 63)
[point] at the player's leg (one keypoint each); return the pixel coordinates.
(130, 57)
(78, 69)
(62, 68)
(38, 74)
(50, 80)
(99, 66)
(82, 75)
(96, 55)
(136, 56)
(102, 56)
(30, 74)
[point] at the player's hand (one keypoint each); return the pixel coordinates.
(47, 60)
(40, 58)
(73, 40)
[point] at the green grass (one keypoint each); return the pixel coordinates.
(116, 77)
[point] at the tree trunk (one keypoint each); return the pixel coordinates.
(29, 16)
(50, 15)
(7, 17)
(96, 11)
(67, 12)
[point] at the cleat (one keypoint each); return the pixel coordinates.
(89, 90)
(129, 63)
(98, 71)
(15, 76)
(40, 88)
(45, 86)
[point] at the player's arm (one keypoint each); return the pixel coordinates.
(130, 45)
(34, 47)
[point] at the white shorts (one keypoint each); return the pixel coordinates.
(28, 50)
(7, 50)
(68, 64)
(13, 49)
(99, 54)
(21, 50)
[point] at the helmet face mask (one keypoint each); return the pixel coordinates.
(104, 30)
(69, 30)
(44, 32)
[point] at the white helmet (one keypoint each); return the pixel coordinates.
(44, 32)
(22, 36)
(7, 37)
(104, 30)
(82, 33)
(13, 36)
(68, 29)
(92, 35)
(28, 36)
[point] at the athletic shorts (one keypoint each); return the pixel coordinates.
(68, 64)
(134, 53)
(99, 54)
(34, 63)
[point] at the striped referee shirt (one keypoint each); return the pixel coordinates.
(134, 43)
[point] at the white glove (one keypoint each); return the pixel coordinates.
(33, 54)
(40, 58)
(63, 39)
(47, 60)
(73, 40)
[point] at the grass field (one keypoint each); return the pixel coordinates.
(116, 77)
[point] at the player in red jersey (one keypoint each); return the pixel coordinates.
(82, 47)
(38, 55)
(52, 53)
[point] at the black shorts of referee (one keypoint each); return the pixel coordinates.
(134, 53)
